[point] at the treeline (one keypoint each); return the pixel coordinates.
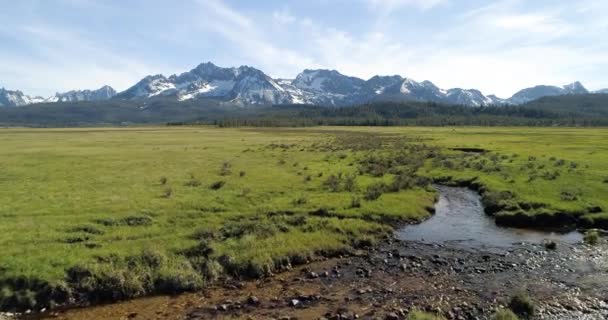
(576, 110)
(412, 114)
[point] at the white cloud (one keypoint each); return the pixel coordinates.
(66, 60)
(499, 48)
(283, 16)
(257, 45)
(388, 6)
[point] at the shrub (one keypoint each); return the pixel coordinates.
(87, 229)
(419, 315)
(242, 174)
(374, 191)
(167, 192)
(225, 170)
(591, 237)
(177, 276)
(504, 314)
(299, 201)
(550, 245)
(350, 183)
(568, 196)
(332, 183)
(192, 182)
(355, 202)
(522, 305)
(136, 221)
(127, 221)
(217, 185)
(495, 201)
(402, 182)
(76, 239)
(163, 180)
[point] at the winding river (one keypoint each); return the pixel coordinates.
(460, 220)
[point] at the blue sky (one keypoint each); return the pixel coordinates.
(495, 46)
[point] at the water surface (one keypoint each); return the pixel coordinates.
(460, 219)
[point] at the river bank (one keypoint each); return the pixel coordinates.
(465, 268)
(398, 276)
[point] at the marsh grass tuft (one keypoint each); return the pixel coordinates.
(217, 185)
(522, 305)
(591, 237)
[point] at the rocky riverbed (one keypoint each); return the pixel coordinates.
(464, 268)
(388, 281)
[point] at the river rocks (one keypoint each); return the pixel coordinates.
(253, 301)
(456, 283)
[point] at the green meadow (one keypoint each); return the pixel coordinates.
(101, 214)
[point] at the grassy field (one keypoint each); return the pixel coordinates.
(104, 214)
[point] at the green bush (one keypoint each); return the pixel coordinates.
(167, 193)
(355, 202)
(225, 170)
(402, 182)
(299, 201)
(350, 183)
(522, 305)
(591, 237)
(217, 185)
(332, 183)
(550, 245)
(504, 314)
(374, 191)
(419, 315)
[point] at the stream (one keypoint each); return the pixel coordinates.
(458, 263)
(460, 220)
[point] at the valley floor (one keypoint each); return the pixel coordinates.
(94, 215)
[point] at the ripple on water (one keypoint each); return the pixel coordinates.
(459, 219)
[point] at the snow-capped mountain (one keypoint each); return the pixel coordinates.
(249, 86)
(244, 85)
(602, 91)
(17, 98)
(537, 92)
(103, 93)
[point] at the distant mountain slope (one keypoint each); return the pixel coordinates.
(568, 110)
(537, 92)
(16, 98)
(10, 98)
(249, 86)
(103, 93)
(583, 105)
(246, 86)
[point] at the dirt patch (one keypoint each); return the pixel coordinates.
(393, 279)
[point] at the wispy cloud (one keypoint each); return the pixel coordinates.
(283, 16)
(498, 47)
(391, 5)
(254, 43)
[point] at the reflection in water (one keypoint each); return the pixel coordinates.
(459, 218)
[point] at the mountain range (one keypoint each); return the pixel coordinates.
(249, 86)
(17, 98)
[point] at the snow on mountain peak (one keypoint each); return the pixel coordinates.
(247, 85)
